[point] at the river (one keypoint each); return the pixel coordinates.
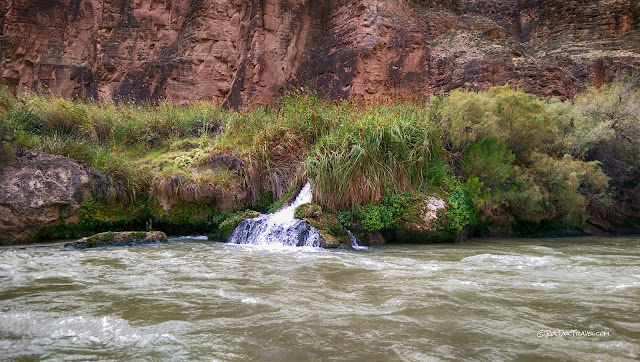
(485, 299)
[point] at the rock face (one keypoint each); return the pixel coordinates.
(36, 190)
(249, 51)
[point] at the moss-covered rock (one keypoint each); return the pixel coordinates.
(128, 238)
(183, 217)
(328, 225)
(144, 213)
(289, 196)
(309, 210)
(423, 220)
(226, 227)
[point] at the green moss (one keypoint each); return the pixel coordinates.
(183, 213)
(263, 202)
(328, 225)
(310, 210)
(183, 217)
(98, 212)
(96, 215)
(288, 196)
(127, 238)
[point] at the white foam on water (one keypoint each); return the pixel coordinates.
(193, 237)
(80, 329)
(509, 261)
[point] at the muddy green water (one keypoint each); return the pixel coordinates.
(189, 300)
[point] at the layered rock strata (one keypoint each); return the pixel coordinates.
(243, 52)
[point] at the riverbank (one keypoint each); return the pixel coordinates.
(501, 162)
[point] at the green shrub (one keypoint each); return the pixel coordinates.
(520, 120)
(336, 229)
(375, 217)
(460, 212)
(346, 219)
(613, 113)
(489, 160)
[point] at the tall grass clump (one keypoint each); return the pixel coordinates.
(275, 141)
(381, 151)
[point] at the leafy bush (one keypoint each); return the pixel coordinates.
(460, 212)
(374, 217)
(520, 120)
(615, 109)
(516, 174)
(489, 160)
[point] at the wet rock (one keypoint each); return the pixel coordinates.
(376, 239)
(333, 234)
(37, 190)
(127, 238)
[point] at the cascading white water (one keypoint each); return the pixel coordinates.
(280, 228)
(354, 241)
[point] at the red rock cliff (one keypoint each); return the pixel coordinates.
(239, 51)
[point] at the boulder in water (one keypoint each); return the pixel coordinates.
(128, 238)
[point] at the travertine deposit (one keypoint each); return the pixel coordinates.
(243, 52)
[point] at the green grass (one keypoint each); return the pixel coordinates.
(381, 151)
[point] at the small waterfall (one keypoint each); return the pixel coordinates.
(280, 228)
(354, 241)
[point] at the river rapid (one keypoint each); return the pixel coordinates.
(486, 299)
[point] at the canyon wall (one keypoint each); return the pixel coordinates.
(243, 52)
